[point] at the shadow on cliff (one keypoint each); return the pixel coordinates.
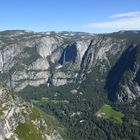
(69, 54)
(115, 75)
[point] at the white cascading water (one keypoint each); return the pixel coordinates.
(64, 58)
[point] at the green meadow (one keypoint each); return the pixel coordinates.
(107, 112)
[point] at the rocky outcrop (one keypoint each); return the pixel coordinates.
(16, 115)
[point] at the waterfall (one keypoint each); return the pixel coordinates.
(64, 57)
(62, 60)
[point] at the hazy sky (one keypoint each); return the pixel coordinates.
(71, 15)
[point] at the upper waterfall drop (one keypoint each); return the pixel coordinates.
(64, 57)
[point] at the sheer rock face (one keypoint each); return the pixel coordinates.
(28, 58)
(47, 45)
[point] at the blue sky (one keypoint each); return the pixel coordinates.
(71, 15)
